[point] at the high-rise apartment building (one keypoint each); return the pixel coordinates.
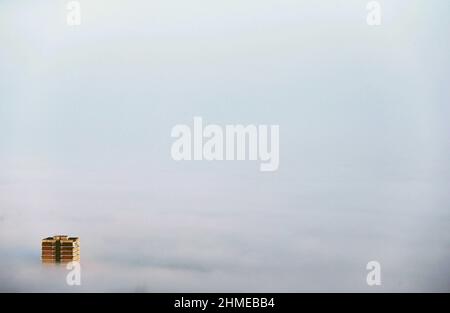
(60, 249)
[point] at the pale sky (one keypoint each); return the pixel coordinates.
(86, 114)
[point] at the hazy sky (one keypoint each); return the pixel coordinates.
(86, 114)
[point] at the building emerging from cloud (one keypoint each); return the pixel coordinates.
(60, 248)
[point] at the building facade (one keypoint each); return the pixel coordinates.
(60, 249)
